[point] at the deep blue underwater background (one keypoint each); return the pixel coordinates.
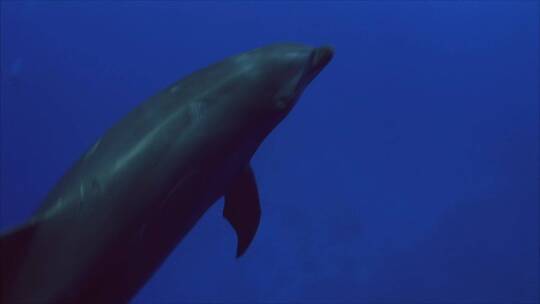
(408, 172)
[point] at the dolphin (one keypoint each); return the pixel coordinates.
(120, 210)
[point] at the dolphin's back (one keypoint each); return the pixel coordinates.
(173, 101)
(101, 202)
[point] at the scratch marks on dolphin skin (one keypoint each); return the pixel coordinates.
(81, 190)
(177, 187)
(88, 192)
(60, 202)
(141, 147)
(196, 110)
(246, 67)
(174, 89)
(77, 200)
(82, 193)
(92, 150)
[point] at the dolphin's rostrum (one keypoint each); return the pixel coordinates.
(119, 211)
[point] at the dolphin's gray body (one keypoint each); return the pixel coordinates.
(120, 210)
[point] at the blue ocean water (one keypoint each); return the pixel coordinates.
(408, 172)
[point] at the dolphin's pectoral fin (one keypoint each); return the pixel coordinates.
(242, 209)
(13, 248)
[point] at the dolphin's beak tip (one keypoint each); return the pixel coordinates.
(323, 55)
(328, 48)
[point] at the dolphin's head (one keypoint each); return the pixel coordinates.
(287, 70)
(279, 73)
(247, 95)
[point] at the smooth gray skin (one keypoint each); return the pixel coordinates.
(122, 208)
